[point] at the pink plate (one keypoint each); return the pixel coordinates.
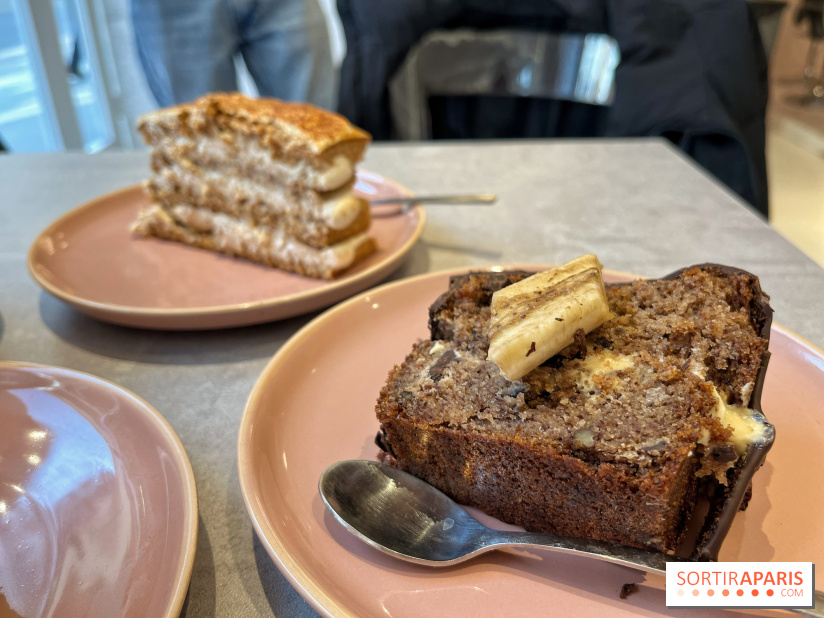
(98, 510)
(89, 259)
(314, 405)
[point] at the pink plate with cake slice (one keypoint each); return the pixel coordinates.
(314, 404)
(90, 259)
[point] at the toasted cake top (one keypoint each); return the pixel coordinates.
(296, 129)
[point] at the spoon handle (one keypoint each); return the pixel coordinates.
(633, 557)
(481, 198)
(818, 610)
(649, 561)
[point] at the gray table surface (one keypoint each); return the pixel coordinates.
(637, 204)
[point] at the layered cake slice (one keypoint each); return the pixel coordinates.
(260, 179)
(617, 433)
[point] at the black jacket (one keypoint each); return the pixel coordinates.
(693, 71)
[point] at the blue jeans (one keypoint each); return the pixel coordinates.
(187, 48)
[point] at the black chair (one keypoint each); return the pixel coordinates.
(467, 83)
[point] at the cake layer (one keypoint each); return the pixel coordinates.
(313, 145)
(316, 219)
(606, 440)
(205, 229)
(244, 156)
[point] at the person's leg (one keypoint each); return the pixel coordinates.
(286, 48)
(186, 47)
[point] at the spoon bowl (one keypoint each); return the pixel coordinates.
(400, 514)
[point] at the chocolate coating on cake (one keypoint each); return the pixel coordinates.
(482, 284)
(735, 496)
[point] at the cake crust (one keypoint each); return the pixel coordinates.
(291, 130)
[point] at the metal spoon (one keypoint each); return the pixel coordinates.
(406, 203)
(480, 198)
(408, 518)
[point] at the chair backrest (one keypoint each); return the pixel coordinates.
(513, 63)
(768, 16)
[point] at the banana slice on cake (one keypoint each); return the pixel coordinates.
(536, 318)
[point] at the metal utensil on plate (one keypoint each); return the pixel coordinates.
(408, 518)
(407, 202)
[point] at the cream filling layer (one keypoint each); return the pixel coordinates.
(244, 150)
(337, 209)
(746, 428)
(600, 361)
(240, 237)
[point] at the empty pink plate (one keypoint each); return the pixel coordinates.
(314, 405)
(89, 259)
(98, 510)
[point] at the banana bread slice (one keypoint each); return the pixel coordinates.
(615, 437)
